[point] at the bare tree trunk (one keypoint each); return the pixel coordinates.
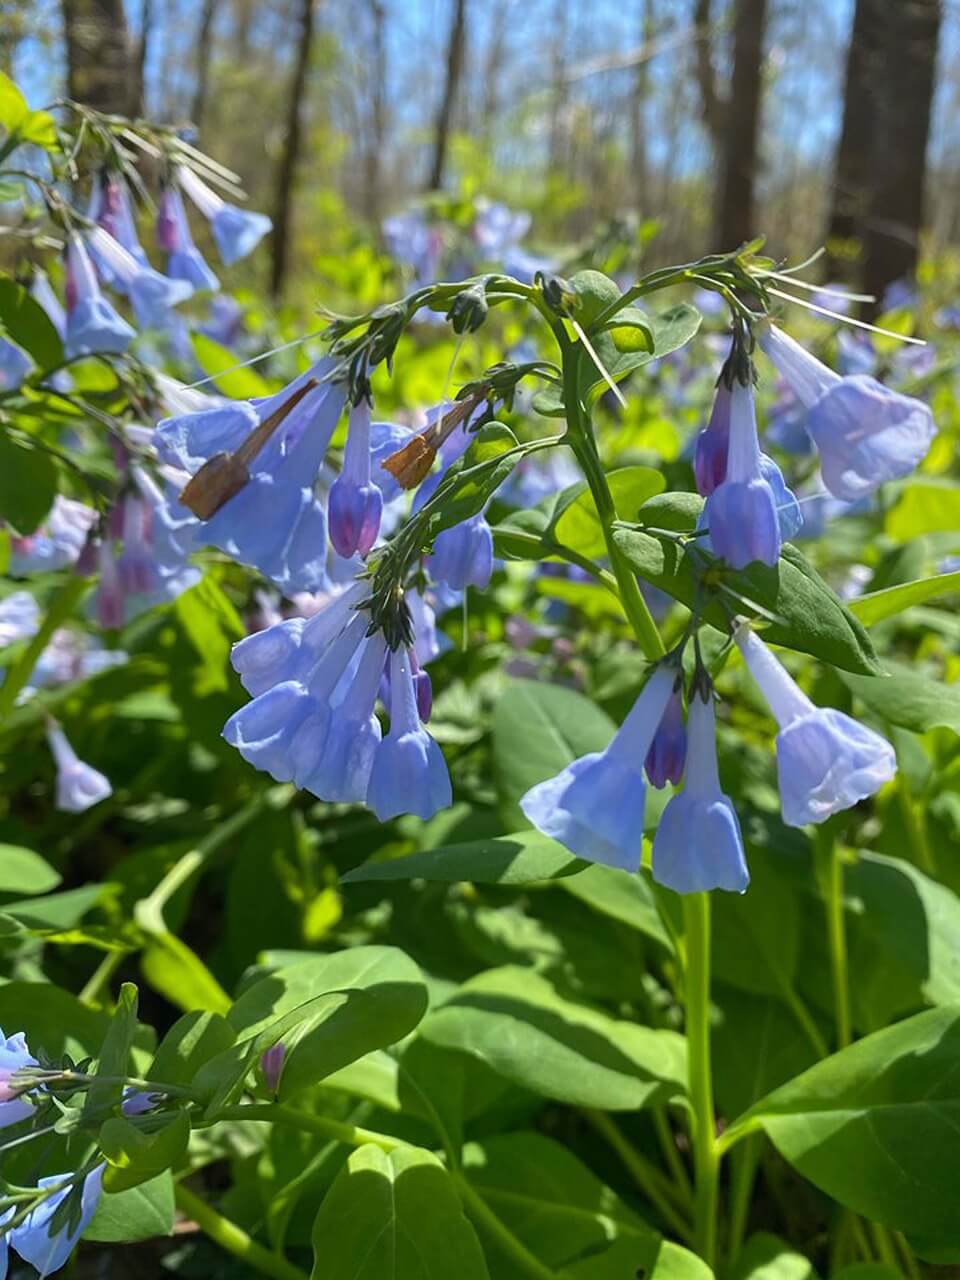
(911, 33)
(287, 168)
(741, 126)
(559, 91)
(204, 48)
(138, 98)
(99, 60)
(378, 115)
(496, 50)
(712, 104)
(638, 101)
(455, 57)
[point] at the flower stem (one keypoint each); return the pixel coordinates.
(646, 1175)
(234, 1239)
(478, 1209)
(696, 911)
(830, 869)
(278, 1113)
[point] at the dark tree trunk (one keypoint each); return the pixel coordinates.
(712, 105)
(912, 30)
(139, 89)
(378, 114)
(638, 99)
(741, 127)
(287, 168)
(99, 62)
(455, 57)
(204, 48)
(854, 161)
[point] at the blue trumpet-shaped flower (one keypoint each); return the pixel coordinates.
(864, 432)
(14, 1056)
(47, 1246)
(184, 259)
(236, 232)
(93, 326)
(57, 543)
(713, 445)
(826, 761)
(356, 503)
(151, 294)
(742, 511)
(79, 785)
(14, 365)
(664, 762)
(595, 805)
(111, 209)
(42, 292)
(698, 845)
(409, 772)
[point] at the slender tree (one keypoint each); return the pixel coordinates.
(290, 155)
(378, 112)
(456, 46)
(895, 215)
(741, 126)
(100, 64)
(208, 16)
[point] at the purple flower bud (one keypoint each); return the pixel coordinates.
(271, 1065)
(665, 759)
(356, 504)
(713, 443)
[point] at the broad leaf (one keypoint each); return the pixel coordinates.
(908, 698)
(136, 1157)
(23, 318)
(579, 527)
(23, 871)
(28, 483)
(220, 363)
(621, 896)
(878, 605)
(518, 859)
(139, 1213)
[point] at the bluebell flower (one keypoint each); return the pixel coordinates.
(42, 292)
(57, 543)
(262, 730)
(236, 232)
(415, 242)
(111, 209)
(595, 806)
(151, 294)
(713, 445)
(900, 295)
(14, 365)
(698, 845)
(224, 322)
(79, 785)
(19, 617)
(826, 761)
(497, 229)
(37, 1241)
(789, 515)
(865, 433)
(409, 773)
(184, 259)
(786, 424)
(742, 511)
(355, 503)
(93, 326)
(856, 352)
(664, 762)
(14, 1056)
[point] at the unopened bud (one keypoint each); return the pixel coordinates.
(468, 309)
(271, 1065)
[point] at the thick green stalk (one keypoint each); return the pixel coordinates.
(706, 1160)
(830, 870)
(234, 1239)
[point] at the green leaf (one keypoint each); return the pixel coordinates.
(875, 1125)
(23, 871)
(394, 1217)
(178, 973)
(869, 1271)
(593, 293)
(924, 506)
(26, 322)
(329, 1010)
(211, 624)
(467, 495)
(538, 729)
(807, 615)
(192, 1041)
(28, 483)
(136, 1157)
(374, 1077)
(519, 1024)
(878, 605)
(579, 527)
(758, 1045)
(55, 1021)
(114, 1057)
(14, 107)
(139, 1213)
(621, 896)
(671, 330)
(220, 363)
(767, 1257)
(908, 698)
(518, 859)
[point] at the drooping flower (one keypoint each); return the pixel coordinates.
(93, 326)
(741, 512)
(409, 773)
(14, 1056)
(664, 762)
(236, 232)
(595, 805)
(151, 294)
(184, 259)
(47, 1246)
(79, 785)
(356, 503)
(417, 243)
(865, 433)
(110, 208)
(698, 845)
(15, 364)
(19, 617)
(42, 292)
(57, 543)
(268, 513)
(826, 760)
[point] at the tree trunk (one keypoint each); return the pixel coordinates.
(138, 101)
(378, 114)
(455, 57)
(99, 63)
(204, 48)
(639, 178)
(911, 33)
(854, 161)
(741, 127)
(287, 168)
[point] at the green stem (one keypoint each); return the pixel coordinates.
(485, 1218)
(696, 912)
(279, 1113)
(665, 1137)
(743, 1167)
(233, 1239)
(910, 1261)
(104, 971)
(645, 1174)
(830, 868)
(915, 823)
(884, 1245)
